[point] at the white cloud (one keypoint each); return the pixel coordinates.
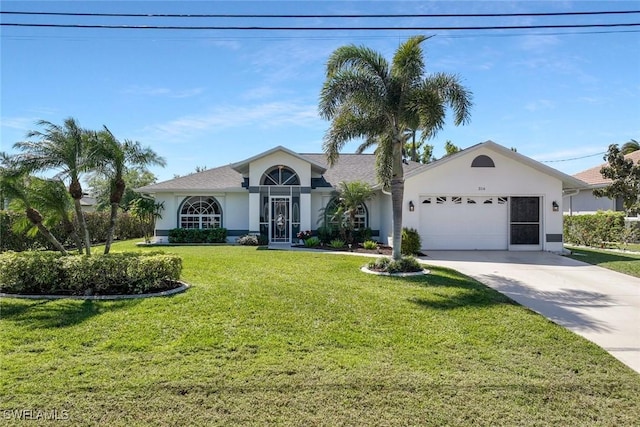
(260, 116)
(162, 91)
(540, 104)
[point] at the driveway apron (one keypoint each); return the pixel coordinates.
(598, 304)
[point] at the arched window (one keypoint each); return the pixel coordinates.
(280, 175)
(361, 220)
(483, 161)
(200, 212)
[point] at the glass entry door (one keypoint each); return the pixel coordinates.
(280, 223)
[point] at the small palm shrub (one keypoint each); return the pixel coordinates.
(336, 244)
(312, 242)
(410, 242)
(370, 245)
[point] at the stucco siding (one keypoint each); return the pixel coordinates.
(586, 203)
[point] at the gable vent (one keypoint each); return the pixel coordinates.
(483, 161)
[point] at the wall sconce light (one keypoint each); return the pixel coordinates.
(411, 206)
(555, 206)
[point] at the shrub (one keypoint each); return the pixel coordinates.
(198, 235)
(30, 272)
(406, 264)
(594, 230)
(115, 273)
(337, 244)
(263, 240)
(327, 234)
(362, 235)
(312, 242)
(370, 244)
(248, 240)
(410, 242)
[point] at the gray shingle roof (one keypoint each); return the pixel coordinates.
(349, 167)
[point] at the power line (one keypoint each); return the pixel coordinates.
(574, 158)
(286, 28)
(315, 16)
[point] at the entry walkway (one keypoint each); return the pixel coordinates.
(598, 304)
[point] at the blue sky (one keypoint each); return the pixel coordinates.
(213, 97)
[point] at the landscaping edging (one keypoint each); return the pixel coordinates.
(384, 273)
(174, 291)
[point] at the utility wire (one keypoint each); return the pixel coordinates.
(574, 158)
(285, 28)
(313, 16)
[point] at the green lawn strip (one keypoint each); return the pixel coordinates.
(626, 263)
(301, 338)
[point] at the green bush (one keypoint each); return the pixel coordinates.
(312, 242)
(406, 264)
(594, 230)
(362, 235)
(29, 272)
(337, 244)
(370, 244)
(198, 235)
(248, 240)
(115, 273)
(410, 242)
(327, 234)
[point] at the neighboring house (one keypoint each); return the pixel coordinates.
(88, 204)
(584, 202)
(484, 197)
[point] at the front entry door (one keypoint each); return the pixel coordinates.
(280, 224)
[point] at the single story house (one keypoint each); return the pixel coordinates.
(484, 197)
(584, 202)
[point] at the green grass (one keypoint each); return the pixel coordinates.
(298, 338)
(626, 263)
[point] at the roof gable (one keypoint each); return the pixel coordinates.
(243, 166)
(568, 182)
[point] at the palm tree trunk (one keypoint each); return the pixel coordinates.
(112, 227)
(69, 228)
(83, 226)
(36, 219)
(397, 196)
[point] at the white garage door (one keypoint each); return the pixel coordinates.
(466, 223)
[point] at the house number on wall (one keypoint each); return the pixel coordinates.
(481, 188)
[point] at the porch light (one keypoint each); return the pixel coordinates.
(555, 206)
(412, 207)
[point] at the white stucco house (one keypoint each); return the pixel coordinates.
(584, 202)
(486, 197)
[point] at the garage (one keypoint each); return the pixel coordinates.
(464, 222)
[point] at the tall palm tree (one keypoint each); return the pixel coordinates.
(630, 146)
(112, 158)
(60, 148)
(366, 97)
(14, 183)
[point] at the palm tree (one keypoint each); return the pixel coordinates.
(61, 148)
(366, 97)
(630, 146)
(112, 158)
(14, 183)
(52, 198)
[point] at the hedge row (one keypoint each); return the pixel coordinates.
(198, 235)
(597, 229)
(127, 227)
(40, 272)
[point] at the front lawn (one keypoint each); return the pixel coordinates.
(300, 338)
(626, 263)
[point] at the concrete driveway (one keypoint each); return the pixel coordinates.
(599, 304)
